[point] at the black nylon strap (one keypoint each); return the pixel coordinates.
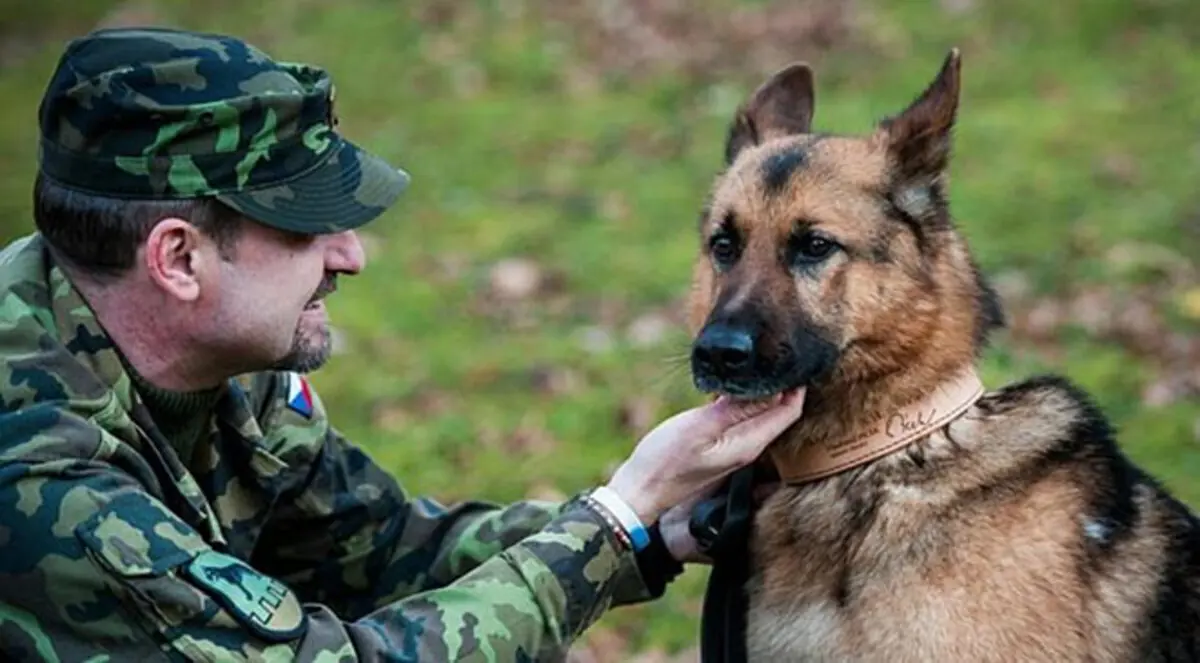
(721, 527)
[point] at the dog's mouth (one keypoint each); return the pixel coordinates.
(749, 387)
(726, 361)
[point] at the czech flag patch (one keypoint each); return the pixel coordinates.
(299, 397)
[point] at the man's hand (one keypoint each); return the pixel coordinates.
(676, 531)
(675, 525)
(685, 457)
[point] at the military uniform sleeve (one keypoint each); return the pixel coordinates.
(350, 536)
(96, 567)
(481, 533)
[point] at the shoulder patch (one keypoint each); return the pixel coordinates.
(260, 602)
(299, 397)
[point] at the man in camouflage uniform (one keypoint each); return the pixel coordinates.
(170, 485)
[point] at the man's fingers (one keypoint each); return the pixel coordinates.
(753, 435)
(734, 411)
(714, 419)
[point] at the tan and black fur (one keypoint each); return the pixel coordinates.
(1020, 532)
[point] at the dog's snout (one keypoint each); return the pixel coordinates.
(724, 348)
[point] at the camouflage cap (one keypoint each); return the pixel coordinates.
(160, 113)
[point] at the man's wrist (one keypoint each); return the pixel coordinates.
(628, 536)
(636, 496)
(622, 516)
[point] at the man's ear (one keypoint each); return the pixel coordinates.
(781, 106)
(918, 139)
(172, 258)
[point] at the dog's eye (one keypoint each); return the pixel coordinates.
(724, 249)
(811, 247)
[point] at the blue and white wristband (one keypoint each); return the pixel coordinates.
(626, 519)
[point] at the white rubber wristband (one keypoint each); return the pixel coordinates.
(624, 514)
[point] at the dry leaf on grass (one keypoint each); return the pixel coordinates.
(600, 645)
(649, 329)
(691, 655)
(529, 439)
(130, 14)
(1135, 318)
(1040, 321)
(693, 38)
(1189, 303)
(555, 381)
(1118, 168)
(516, 279)
(638, 416)
(594, 339)
(395, 415)
(957, 6)
(654, 655)
(1013, 286)
(1169, 389)
(391, 417)
(545, 491)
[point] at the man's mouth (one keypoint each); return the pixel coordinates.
(317, 302)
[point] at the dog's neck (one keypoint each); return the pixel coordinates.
(860, 424)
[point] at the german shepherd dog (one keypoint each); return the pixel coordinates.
(920, 517)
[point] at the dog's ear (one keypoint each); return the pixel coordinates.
(919, 137)
(781, 106)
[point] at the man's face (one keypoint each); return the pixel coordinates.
(268, 309)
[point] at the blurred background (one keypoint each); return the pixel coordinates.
(519, 324)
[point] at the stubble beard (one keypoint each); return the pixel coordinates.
(309, 352)
(311, 348)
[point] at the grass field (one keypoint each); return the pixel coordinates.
(518, 326)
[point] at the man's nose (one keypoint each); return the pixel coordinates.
(345, 253)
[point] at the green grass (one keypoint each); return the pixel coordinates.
(1077, 138)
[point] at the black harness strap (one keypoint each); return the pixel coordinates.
(721, 527)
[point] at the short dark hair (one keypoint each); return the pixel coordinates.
(101, 235)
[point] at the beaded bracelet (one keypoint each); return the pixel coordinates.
(610, 520)
(627, 523)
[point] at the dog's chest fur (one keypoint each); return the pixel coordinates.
(984, 543)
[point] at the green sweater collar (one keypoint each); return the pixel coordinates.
(183, 417)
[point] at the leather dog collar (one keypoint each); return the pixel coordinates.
(817, 460)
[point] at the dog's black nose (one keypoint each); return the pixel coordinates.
(723, 348)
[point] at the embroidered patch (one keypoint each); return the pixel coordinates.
(331, 116)
(256, 600)
(299, 397)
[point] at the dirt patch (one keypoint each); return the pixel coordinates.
(27, 27)
(701, 40)
(1154, 322)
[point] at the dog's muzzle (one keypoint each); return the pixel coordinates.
(723, 352)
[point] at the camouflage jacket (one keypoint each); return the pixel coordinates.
(280, 542)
